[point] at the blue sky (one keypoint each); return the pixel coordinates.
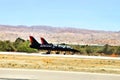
(86, 14)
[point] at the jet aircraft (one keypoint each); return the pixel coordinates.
(48, 46)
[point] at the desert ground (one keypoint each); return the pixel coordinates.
(60, 63)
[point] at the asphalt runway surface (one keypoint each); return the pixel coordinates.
(31, 74)
(64, 56)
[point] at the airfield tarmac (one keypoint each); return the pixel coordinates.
(31, 74)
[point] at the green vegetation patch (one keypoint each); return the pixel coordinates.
(21, 45)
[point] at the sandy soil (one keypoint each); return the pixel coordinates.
(59, 63)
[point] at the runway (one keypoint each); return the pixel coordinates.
(30, 74)
(64, 56)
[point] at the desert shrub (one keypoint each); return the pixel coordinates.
(24, 47)
(7, 46)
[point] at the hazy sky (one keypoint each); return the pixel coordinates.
(87, 14)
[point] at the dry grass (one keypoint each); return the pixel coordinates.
(55, 63)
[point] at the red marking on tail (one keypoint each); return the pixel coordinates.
(31, 39)
(43, 41)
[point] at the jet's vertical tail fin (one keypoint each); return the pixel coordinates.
(43, 41)
(34, 42)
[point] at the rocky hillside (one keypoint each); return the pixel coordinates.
(60, 35)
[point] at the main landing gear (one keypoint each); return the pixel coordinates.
(48, 52)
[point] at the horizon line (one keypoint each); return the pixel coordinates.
(37, 25)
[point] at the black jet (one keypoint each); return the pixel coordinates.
(48, 46)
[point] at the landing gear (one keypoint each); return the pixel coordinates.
(48, 52)
(57, 52)
(64, 53)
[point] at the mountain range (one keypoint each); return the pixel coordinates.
(59, 35)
